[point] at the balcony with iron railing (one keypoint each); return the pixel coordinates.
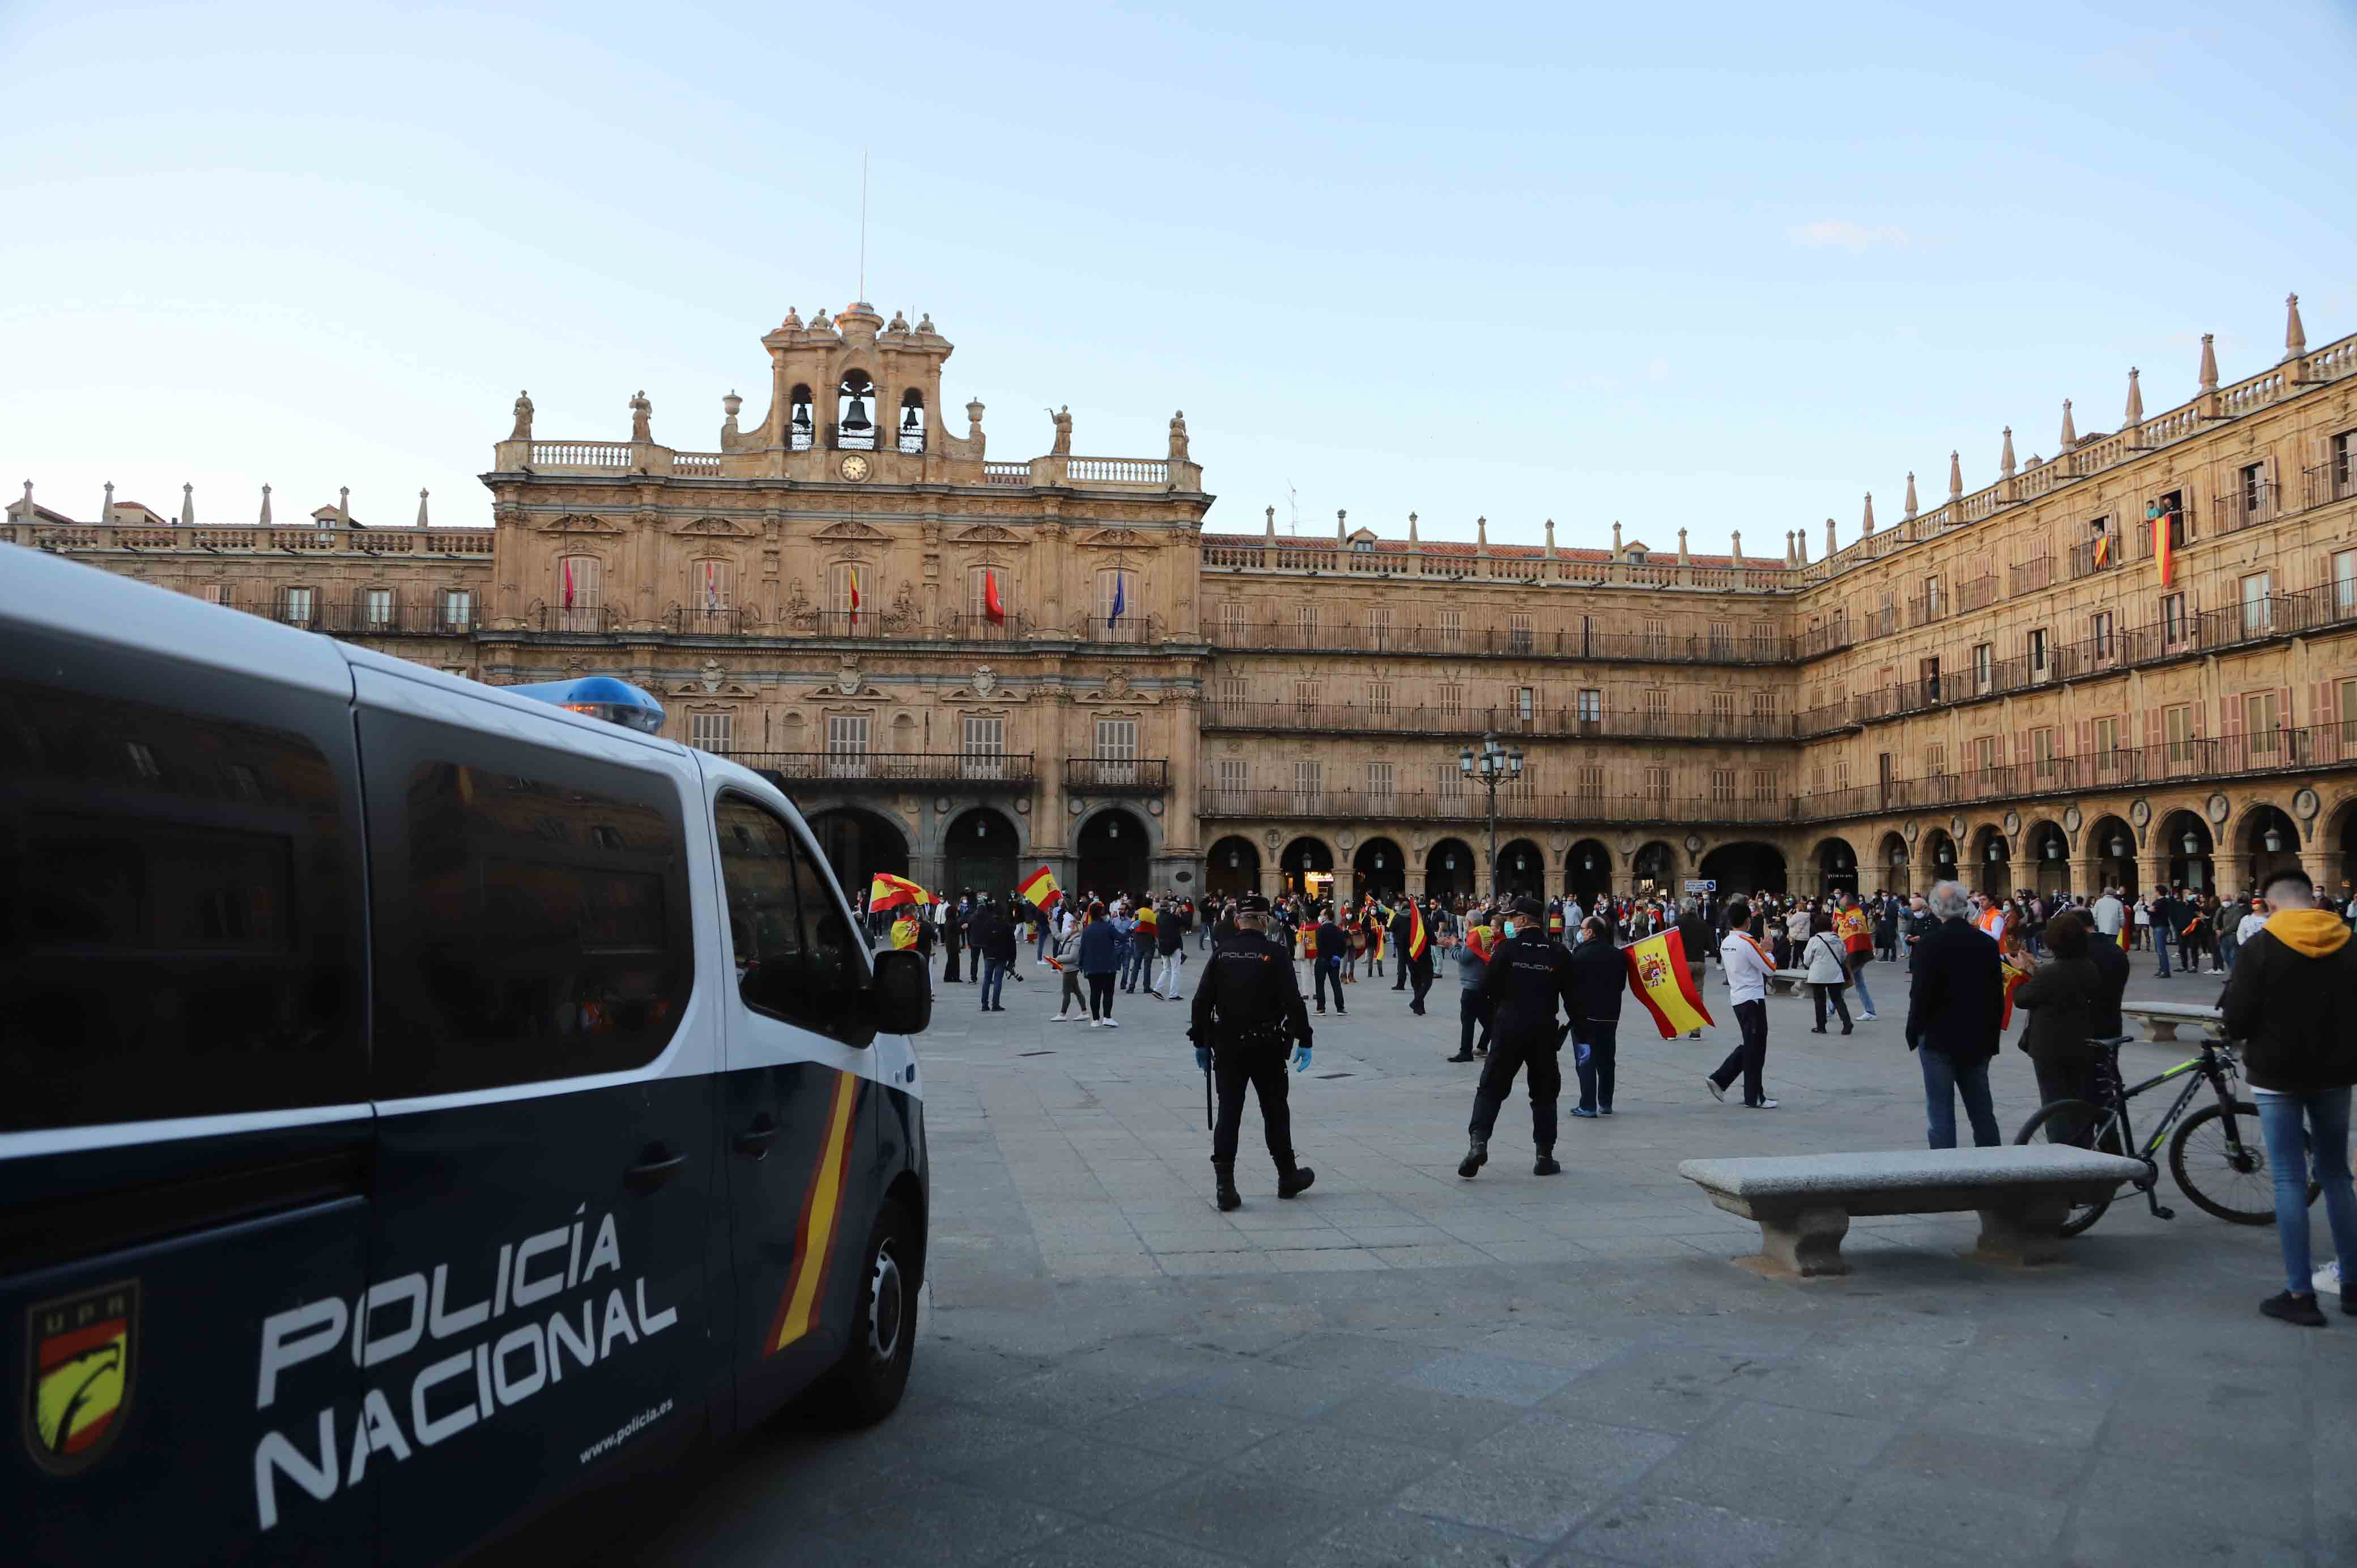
(683, 620)
(2100, 553)
(1470, 808)
(1976, 593)
(1327, 634)
(2335, 480)
(1566, 723)
(2028, 577)
(877, 771)
(2246, 506)
(345, 617)
(1925, 608)
(577, 618)
(1117, 775)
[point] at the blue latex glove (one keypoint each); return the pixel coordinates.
(1202, 1058)
(1301, 1058)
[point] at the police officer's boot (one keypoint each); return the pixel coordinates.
(1545, 1165)
(1293, 1180)
(1475, 1158)
(1228, 1196)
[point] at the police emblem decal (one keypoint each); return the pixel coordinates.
(81, 1354)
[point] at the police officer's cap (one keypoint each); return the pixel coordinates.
(1530, 907)
(1252, 904)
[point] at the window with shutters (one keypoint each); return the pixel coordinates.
(2347, 692)
(376, 608)
(1591, 781)
(1841, 776)
(296, 606)
(2035, 647)
(1309, 781)
(2172, 618)
(1379, 782)
(1657, 639)
(1591, 706)
(1935, 759)
(2258, 605)
(1451, 786)
(1934, 606)
(2177, 729)
(711, 589)
(1817, 779)
(1763, 639)
(1763, 706)
(1117, 751)
(981, 747)
(1722, 638)
(575, 593)
(213, 593)
(979, 580)
(1305, 626)
(1657, 784)
(1452, 699)
(1587, 636)
(847, 580)
(2041, 754)
(1232, 690)
(2099, 634)
(847, 745)
(1379, 626)
(1452, 629)
(1526, 706)
(1235, 776)
(1379, 698)
(1305, 698)
(1984, 666)
(2107, 737)
(1117, 595)
(1657, 710)
(1722, 786)
(1764, 784)
(1518, 633)
(2344, 583)
(1232, 622)
(712, 731)
(457, 610)
(1989, 753)
(1722, 712)
(2259, 725)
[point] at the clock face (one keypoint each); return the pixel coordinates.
(855, 466)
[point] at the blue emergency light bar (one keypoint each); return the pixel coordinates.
(600, 697)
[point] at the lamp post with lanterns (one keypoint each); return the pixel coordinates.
(1494, 764)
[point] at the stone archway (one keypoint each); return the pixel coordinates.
(1940, 864)
(1113, 851)
(1655, 870)
(2047, 850)
(1451, 869)
(1522, 869)
(1992, 865)
(2269, 842)
(1587, 872)
(1233, 867)
(2184, 836)
(858, 843)
(1380, 868)
(1308, 866)
(1894, 867)
(1837, 865)
(1744, 868)
(980, 850)
(2112, 844)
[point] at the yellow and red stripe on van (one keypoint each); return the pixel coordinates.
(814, 1240)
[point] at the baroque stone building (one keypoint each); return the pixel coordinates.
(963, 668)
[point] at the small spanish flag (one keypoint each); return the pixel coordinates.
(1657, 974)
(890, 892)
(1041, 888)
(2012, 979)
(904, 931)
(1417, 937)
(1148, 921)
(1482, 940)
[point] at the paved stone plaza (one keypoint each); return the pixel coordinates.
(1401, 1367)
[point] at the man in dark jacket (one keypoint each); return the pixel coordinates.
(2111, 965)
(1956, 1003)
(1529, 975)
(2290, 1001)
(1331, 941)
(1402, 923)
(1248, 1009)
(994, 940)
(1599, 976)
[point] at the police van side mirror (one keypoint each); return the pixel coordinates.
(903, 992)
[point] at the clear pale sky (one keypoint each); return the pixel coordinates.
(1704, 265)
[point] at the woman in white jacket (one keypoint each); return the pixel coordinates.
(1828, 973)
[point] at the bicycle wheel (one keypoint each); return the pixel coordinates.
(2230, 1161)
(2106, 1139)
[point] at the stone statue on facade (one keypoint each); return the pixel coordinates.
(1063, 418)
(898, 323)
(522, 431)
(643, 415)
(1179, 437)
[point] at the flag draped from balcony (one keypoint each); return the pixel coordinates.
(990, 604)
(1659, 977)
(2163, 555)
(891, 892)
(854, 595)
(2104, 548)
(1120, 599)
(569, 582)
(711, 587)
(1041, 888)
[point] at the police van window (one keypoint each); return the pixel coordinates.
(179, 891)
(531, 911)
(795, 953)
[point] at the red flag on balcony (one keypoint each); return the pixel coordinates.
(990, 604)
(569, 582)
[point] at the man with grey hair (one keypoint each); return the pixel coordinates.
(1955, 1014)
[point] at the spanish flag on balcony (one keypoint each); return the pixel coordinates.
(1417, 937)
(1657, 974)
(891, 892)
(1041, 888)
(854, 595)
(2164, 555)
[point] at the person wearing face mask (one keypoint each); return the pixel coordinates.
(1527, 977)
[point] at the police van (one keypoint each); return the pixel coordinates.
(419, 1103)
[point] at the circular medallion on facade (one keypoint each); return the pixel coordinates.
(2012, 822)
(2219, 808)
(1116, 686)
(1273, 839)
(1024, 807)
(1559, 843)
(2070, 819)
(854, 467)
(1345, 839)
(1693, 844)
(1913, 830)
(2305, 804)
(1955, 827)
(942, 804)
(2141, 811)
(1073, 806)
(1153, 807)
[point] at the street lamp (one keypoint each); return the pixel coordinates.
(1494, 764)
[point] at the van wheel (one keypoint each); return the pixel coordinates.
(865, 1385)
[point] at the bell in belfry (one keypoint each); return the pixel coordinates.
(802, 417)
(909, 418)
(856, 418)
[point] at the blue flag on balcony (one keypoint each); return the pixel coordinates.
(1120, 600)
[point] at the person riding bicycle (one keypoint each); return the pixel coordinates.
(2062, 992)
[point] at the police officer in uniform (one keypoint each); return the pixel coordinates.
(1247, 1010)
(1527, 976)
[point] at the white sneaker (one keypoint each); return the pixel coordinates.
(1862, 1016)
(1113, 1023)
(1096, 1023)
(1715, 1093)
(2327, 1281)
(1763, 1105)
(1060, 1018)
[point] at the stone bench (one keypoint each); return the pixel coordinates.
(2160, 1019)
(1805, 1202)
(1788, 983)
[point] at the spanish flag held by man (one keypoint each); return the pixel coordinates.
(1039, 888)
(890, 892)
(1418, 939)
(1148, 920)
(1658, 976)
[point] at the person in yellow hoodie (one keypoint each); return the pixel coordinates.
(2292, 1001)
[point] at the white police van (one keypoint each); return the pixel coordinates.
(418, 1103)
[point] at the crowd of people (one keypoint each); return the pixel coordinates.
(1971, 958)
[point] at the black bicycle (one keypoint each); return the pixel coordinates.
(2218, 1154)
